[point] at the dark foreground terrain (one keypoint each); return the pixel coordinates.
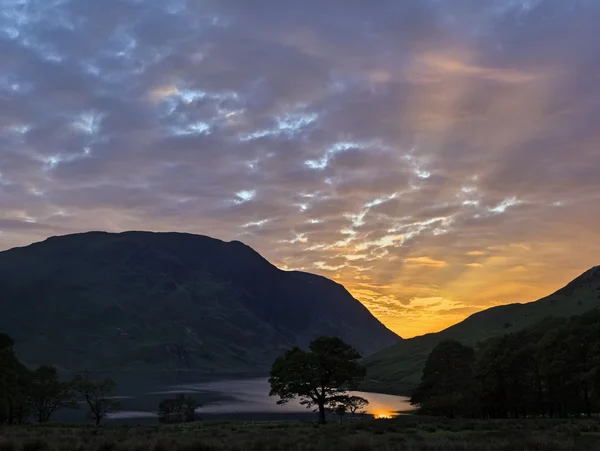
(403, 433)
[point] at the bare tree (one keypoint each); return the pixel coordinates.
(96, 394)
(48, 394)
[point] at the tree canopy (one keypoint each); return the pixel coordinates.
(48, 394)
(356, 404)
(551, 369)
(320, 377)
(14, 405)
(180, 409)
(97, 395)
(28, 393)
(447, 384)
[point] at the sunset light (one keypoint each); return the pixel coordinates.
(383, 415)
(435, 164)
(268, 224)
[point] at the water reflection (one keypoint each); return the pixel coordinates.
(131, 414)
(252, 396)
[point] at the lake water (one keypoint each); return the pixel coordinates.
(244, 398)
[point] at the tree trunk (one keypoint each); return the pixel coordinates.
(322, 419)
(98, 419)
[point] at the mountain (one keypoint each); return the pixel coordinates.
(143, 300)
(398, 369)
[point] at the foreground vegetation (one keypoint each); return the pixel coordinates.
(403, 433)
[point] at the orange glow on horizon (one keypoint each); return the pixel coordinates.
(426, 298)
(453, 175)
(383, 415)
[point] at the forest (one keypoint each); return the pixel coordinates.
(551, 369)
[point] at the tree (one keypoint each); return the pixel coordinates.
(8, 376)
(551, 368)
(319, 377)
(48, 394)
(447, 384)
(190, 406)
(13, 384)
(348, 404)
(95, 393)
(178, 410)
(340, 410)
(356, 404)
(166, 410)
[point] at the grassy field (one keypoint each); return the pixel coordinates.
(403, 433)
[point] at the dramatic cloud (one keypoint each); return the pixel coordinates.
(436, 157)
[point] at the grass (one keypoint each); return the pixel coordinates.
(405, 433)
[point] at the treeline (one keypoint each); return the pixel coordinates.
(551, 369)
(27, 395)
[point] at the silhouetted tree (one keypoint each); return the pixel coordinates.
(356, 404)
(178, 410)
(348, 404)
(96, 394)
(549, 369)
(48, 394)
(13, 384)
(190, 406)
(509, 376)
(340, 410)
(319, 377)
(447, 386)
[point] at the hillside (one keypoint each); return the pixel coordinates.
(398, 369)
(141, 300)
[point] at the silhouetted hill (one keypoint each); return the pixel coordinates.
(138, 300)
(398, 369)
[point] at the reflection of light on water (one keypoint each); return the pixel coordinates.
(127, 414)
(252, 395)
(384, 406)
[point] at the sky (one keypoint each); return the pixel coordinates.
(437, 157)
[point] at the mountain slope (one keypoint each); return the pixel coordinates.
(139, 300)
(398, 369)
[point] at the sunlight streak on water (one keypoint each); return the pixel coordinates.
(252, 395)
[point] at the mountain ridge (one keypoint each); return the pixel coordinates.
(398, 369)
(171, 300)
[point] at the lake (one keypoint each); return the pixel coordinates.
(246, 399)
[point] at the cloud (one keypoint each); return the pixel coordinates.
(425, 261)
(434, 68)
(417, 150)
